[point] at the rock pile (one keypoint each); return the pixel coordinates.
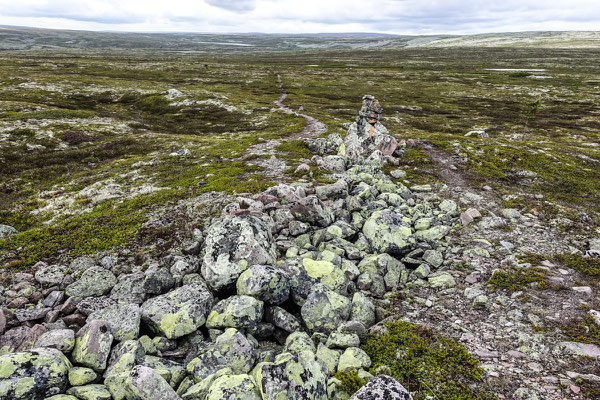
(270, 305)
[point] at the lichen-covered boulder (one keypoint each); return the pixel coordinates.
(237, 350)
(266, 283)
(130, 289)
(124, 356)
(342, 340)
(292, 376)
(363, 310)
(94, 281)
(179, 312)
(60, 339)
(33, 374)
(51, 274)
(433, 234)
(311, 210)
(299, 341)
(387, 232)
(158, 279)
(144, 383)
(232, 245)
(324, 309)
(194, 391)
(231, 349)
(306, 272)
(233, 387)
(332, 190)
(236, 312)
(382, 387)
(92, 345)
(7, 231)
(79, 376)
(282, 319)
(329, 357)
(123, 320)
(172, 371)
(91, 392)
(12, 339)
(353, 358)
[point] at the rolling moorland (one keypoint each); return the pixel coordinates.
(126, 148)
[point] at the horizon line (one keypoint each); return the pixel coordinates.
(293, 34)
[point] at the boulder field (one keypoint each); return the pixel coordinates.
(270, 303)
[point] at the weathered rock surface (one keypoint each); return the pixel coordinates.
(236, 312)
(292, 376)
(92, 345)
(34, 374)
(179, 312)
(382, 387)
(94, 281)
(234, 244)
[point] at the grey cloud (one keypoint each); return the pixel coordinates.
(233, 5)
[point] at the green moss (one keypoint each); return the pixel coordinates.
(351, 382)
(501, 280)
(584, 265)
(514, 280)
(294, 149)
(47, 114)
(584, 330)
(109, 225)
(425, 363)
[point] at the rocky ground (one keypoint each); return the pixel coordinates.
(287, 293)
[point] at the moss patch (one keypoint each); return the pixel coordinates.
(514, 280)
(584, 265)
(426, 363)
(583, 330)
(350, 381)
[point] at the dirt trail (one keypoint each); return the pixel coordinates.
(273, 166)
(312, 126)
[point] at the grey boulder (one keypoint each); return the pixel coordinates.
(382, 387)
(94, 281)
(325, 309)
(232, 245)
(34, 374)
(266, 283)
(179, 312)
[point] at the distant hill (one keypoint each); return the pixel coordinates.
(20, 38)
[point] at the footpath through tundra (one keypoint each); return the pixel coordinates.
(272, 301)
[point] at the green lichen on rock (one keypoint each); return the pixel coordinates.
(324, 309)
(236, 312)
(266, 283)
(94, 281)
(387, 232)
(33, 374)
(292, 376)
(234, 387)
(179, 312)
(94, 391)
(92, 345)
(79, 376)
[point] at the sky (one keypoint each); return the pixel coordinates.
(410, 17)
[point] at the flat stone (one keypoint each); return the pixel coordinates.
(94, 281)
(582, 349)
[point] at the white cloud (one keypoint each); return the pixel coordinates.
(293, 16)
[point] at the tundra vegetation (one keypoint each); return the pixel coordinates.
(126, 152)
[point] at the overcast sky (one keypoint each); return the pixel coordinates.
(305, 16)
